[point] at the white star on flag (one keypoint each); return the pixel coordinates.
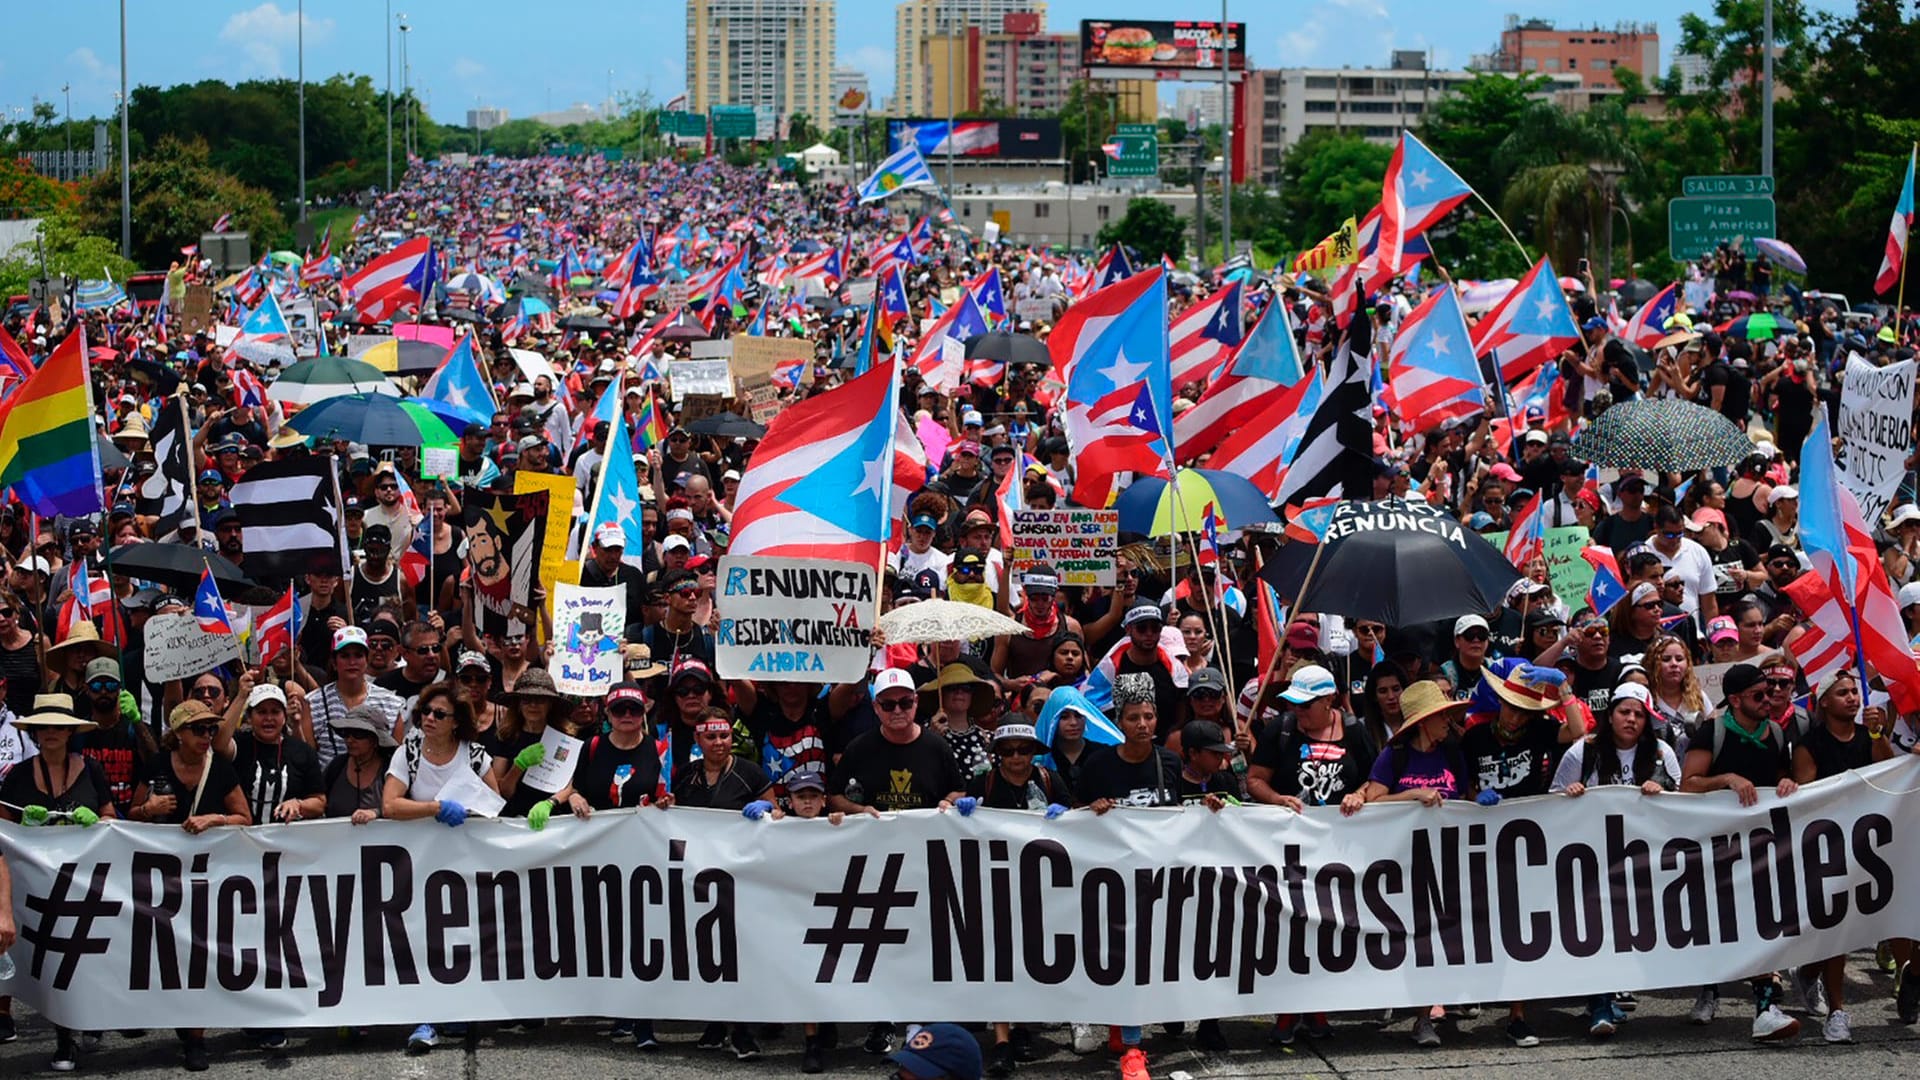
(1439, 345)
(1123, 370)
(623, 507)
(1420, 179)
(874, 479)
(1544, 309)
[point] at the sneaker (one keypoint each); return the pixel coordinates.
(1424, 1034)
(643, 1035)
(1521, 1034)
(1906, 995)
(193, 1055)
(810, 1057)
(1772, 1025)
(879, 1039)
(1210, 1038)
(1133, 1065)
(1470, 1011)
(1086, 1038)
(1812, 991)
(1286, 1028)
(1625, 1002)
(1000, 1060)
(1023, 1050)
(1318, 1028)
(619, 1029)
(1602, 1026)
(713, 1038)
(65, 1056)
(1839, 1028)
(271, 1040)
(745, 1048)
(8, 1033)
(1705, 1007)
(423, 1039)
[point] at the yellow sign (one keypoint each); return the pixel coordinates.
(553, 553)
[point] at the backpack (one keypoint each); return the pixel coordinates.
(1773, 733)
(478, 759)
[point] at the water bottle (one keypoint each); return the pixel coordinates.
(6, 967)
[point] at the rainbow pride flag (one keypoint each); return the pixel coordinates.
(48, 455)
(650, 426)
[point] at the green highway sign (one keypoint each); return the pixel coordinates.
(1139, 151)
(686, 125)
(733, 121)
(1726, 185)
(1696, 225)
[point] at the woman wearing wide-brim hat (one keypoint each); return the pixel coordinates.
(954, 701)
(82, 643)
(517, 744)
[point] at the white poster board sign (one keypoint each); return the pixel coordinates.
(710, 377)
(587, 627)
(794, 620)
(1876, 432)
(178, 649)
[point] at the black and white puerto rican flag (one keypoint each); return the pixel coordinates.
(1336, 449)
(290, 521)
(168, 493)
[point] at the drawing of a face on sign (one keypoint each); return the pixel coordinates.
(503, 543)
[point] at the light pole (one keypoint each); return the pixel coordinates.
(1766, 91)
(951, 32)
(66, 173)
(609, 107)
(1226, 142)
(126, 163)
(300, 66)
(389, 186)
(406, 92)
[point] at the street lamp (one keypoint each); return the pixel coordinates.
(406, 91)
(389, 186)
(66, 173)
(300, 52)
(126, 163)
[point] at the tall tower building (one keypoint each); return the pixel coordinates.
(775, 54)
(915, 21)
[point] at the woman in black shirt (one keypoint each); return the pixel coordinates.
(620, 768)
(353, 781)
(1137, 772)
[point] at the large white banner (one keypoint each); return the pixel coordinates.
(1134, 917)
(1876, 432)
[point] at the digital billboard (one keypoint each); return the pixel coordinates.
(1163, 46)
(1000, 140)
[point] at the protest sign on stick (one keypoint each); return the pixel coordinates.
(794, 620)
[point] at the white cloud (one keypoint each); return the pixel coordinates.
(87, 62)
(1329, 36)
(263, 33)
(468, 68)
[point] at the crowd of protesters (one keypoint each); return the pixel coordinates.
(390, 691)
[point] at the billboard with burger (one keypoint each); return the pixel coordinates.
(1168, 46)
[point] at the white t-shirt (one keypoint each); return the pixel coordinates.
(429, 778)
(933, 558)
(1696, 569)
(1573, 763)
(15, 747)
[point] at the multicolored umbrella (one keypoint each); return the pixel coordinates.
(1665, 434)
(1782, 254)
(1759, 326)
(405, 357)
(372, 419)
(1150, 507)
(310, 382)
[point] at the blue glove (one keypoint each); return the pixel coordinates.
(966, 804)
(1489, 797)
(1054, 810)
(451, 813)
(756, 810)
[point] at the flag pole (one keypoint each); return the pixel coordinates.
(1899, 308)
(618, 427)
(1524, 253)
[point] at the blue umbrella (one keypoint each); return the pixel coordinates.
(1147, 506)
(374, 419)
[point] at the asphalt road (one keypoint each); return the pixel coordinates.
(1657, 1041)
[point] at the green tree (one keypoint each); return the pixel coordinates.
(1568, 170)
(1325, 179)
(69, 251)
(1149, 227)
(178, 193)
(1464, 127)
(802, 132)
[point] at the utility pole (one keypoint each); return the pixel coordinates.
(66, 171)
(1226, 142)
(1766, 91)
(300, 50)
(406, 92)
(389, 186)
(952, 32)
(126, 163)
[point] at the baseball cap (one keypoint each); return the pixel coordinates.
(1704, 517)
(1740, 678)
(349, 636)
(612, 536)
(529, 442)
(1309, 681)
(1206, 678)
(376, 534)
(1140, 613)
(1468, 622)
(1722, 628)
(1543, 617)
(101, 667)
(1504, 471)
(893, 679)
(1015, 731)
(1595, 322)
(923, 521)
(1784, 491)
(1909, 594)
(967, 446)
(212, 476)
(811, 780)
(970, 560)
(470, 658)
(1040, 578)
(1302, 636)
(971, 418)
(1535, 435)
(938, 1050)
(266, 692)
(1204, 735)
(676, 542)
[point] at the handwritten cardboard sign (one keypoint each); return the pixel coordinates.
(794, 620)
(1079, 544)
(178, 649)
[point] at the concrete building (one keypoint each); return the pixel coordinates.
(1197, 106)
(1018, 67)
(1538, 47)
(1278, 107)
(486, 119)
(775, 54)
(917, 20)
(1051, 214)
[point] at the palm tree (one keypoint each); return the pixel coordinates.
(1566, 169)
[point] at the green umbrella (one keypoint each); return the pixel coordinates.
(374, 420)
(312, 381)
(433, 430)
(286, 258)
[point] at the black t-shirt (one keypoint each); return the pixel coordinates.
(788, 746)
(1042, 789)
(1522, 767)
(1737, 555)
(1315, 771)
(1508, 631)
(1620, 534)
(1152, 782)
(316, 640)
(1831, 757)
(22, 787)
(526, 794)
(610, 778)
(892, 776)
(1763, 759)
(1739, 396)
(122, 755)
(740, 784)
(398, 682)
(21, 668)
(1595, 687)
(1222, 783)
(270, 775)
(160, 779)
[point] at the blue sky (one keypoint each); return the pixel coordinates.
(530, 58)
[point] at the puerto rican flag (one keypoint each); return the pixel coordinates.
(1648, 325)
(1419, 190)
(1371, 270)
(825, 265)
(96, 592)
(986, 291)
(1206, 334)
(1530, 327)
(1262, 368)
(886, 256)
(221, 223)
(1826, 645)
(818, 486)
(1540, 393)
(209, 610)
(1430, 365)
(418, 556)
(251, 289)
(1528, 536)
(501, 237)
(403, 276)
(248, 392)
(1895, 256)
(280, 626)
(940, 354)
(1261, 447)
(1110, 353)
(1609, 587)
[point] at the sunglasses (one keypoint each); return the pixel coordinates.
(1780, 684)
(514, 639)
(386, 487)
(899, 704)
(1370, 631)
(1672, 535)
(1206, 695)
(1474, 635)
(1596, 630)
(104, 686)
(1017, 751)
(1649, 605)
(476, 678)
(624, 710)
(426, 650)
(8, 613)
(207, 693)
(437, 713)
(690, 691)
(205, 731)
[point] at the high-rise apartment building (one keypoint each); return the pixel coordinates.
(771, 54)
(916, 21)
(1016, 66)
(1538, 47)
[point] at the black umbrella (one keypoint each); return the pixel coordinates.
(462, 314)
(1399, 563)
(1636, 292)
(162, 380)
(110, 455)
(1665, 434)
(726, 425)
(1013, 350)
(824, 303)
(584, 322)
(177, 567)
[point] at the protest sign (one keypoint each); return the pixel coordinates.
(505, 536)
(709, 377)
(1876, 432)
(763, 402)
(1036, 310)
(673, 296)
(555, 770)
(755, 358)
(990, 232)
(1131, 917)
(440, 462)
(1080, 545)
(553, 545)
(1569, 574)
(176, 648)
(1710, 677)
(587, 627)
(701, 406)
(197, 314)
(858, 293)
(794, 620)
